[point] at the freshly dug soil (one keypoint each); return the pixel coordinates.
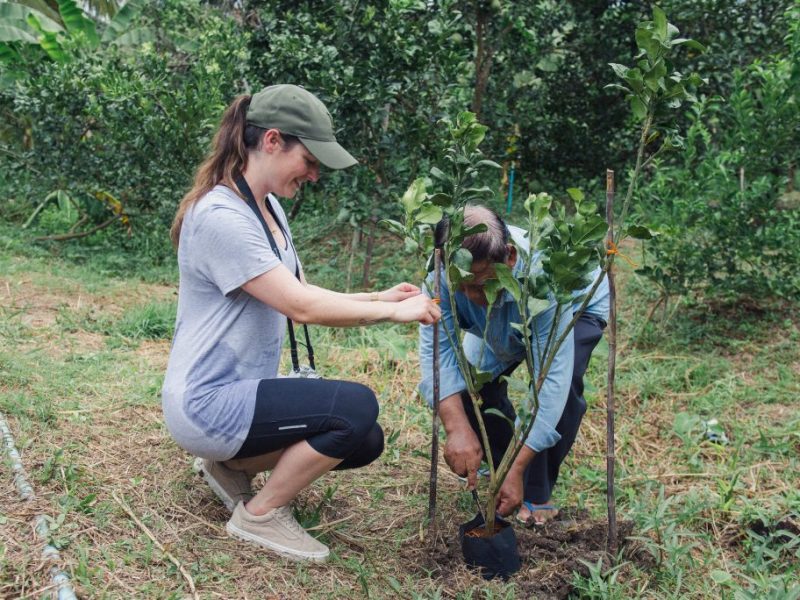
(550, 554)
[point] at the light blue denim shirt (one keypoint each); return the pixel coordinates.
(503, 349)
(599, 304)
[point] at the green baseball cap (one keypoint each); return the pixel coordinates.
(296, 111)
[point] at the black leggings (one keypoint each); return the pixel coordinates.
(337, 419)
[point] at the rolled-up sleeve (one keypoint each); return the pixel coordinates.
(451, 381)
(553, 395)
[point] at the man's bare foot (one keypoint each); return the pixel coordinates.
(538, 514)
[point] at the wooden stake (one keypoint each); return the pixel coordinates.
(437, 263)
(612, 358)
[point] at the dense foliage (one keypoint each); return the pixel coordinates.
(105, 118)
(726, 205)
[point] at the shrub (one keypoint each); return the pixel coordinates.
(726, 207)
(121, 129)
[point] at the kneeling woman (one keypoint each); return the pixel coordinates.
(240, 279)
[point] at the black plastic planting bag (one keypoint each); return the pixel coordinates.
(494, 556)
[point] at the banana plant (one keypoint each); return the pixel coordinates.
(58, 34)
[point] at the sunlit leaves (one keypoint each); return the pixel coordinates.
(653, 85)
(413, 197)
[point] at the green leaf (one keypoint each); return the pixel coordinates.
(635, 80)
(620, 70)
(462, 259)
(429, 214)
(640, 232)
(481, 191)
(638, 107)
(15, 33)
(488, 163)
(497, 413)
(507, 280)
(693, 44)
(123, 20)
(477, 228)
(393, 226)
(645, 41)
(576, 194)
(659, 24)
(440, 175)
(439, 199)
(456, 275)
(482, 377)
(538, 205)
(414, 195)
(77, 23)
(592, 230)
(491, 288)
(537, 305)
(136, 37)
(654, 77)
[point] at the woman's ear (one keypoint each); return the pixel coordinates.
(271, 140)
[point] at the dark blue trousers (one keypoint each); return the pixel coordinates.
(542, 473)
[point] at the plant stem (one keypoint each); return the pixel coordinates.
(612, 357)
(648, 121)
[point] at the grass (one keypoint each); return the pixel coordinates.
(82, 360)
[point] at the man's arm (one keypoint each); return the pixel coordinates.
(462, 449)
(552, 398)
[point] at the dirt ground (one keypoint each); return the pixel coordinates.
(551, 554)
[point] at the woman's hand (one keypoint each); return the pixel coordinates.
(399, 293)
(417, 308)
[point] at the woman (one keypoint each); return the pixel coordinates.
(240, 279)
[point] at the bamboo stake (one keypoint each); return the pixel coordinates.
(612, 357)
(437, 263)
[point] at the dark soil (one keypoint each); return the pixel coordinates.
(551, 554)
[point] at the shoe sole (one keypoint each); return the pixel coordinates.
(215, 487)
(291, 554)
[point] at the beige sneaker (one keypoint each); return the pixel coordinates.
(230, 486)
(278, 531)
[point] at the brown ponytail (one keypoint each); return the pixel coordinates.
(228, 157)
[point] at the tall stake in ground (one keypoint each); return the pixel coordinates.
(437, 263)
(612, 360)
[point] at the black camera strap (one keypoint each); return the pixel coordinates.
(244, 188)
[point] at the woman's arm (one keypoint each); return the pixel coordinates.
(397, 293)
(281, 290)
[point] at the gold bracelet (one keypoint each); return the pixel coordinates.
(374, 296)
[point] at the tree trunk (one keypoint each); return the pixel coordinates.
(483, 60)
(370, 248)
(353, 247)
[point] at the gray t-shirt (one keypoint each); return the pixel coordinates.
(225, 340)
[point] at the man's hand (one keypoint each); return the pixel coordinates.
(510, 495)
(463, 454)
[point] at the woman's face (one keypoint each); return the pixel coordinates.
(291, 166)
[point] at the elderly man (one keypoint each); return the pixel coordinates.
(535, 470)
